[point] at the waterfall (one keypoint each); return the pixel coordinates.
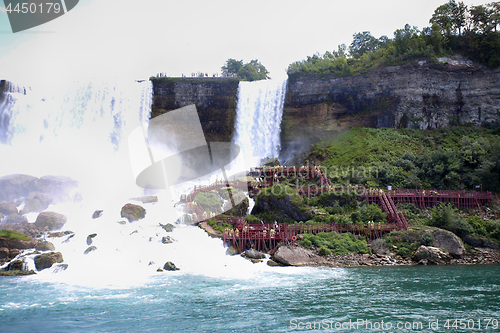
(258, 119)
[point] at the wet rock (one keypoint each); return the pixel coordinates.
(133, 212)
(90, 249)
(170, 266)
(12, 243)
(169, 227)
(8, 208)
(90, 237)
(14, 253)
(50, 221)
(46, 260)
(15, 218)
(16, 186)
(297, 256)
(231, 251)
(273, 263)
(433, 255)
(69, 237)
(56, 234)
(97, 214)
(32, 206)
(159, 270)
(4, 253)
(254, 254)
(16, 265)
(167, 240)
(44, 199)
(45, 246)
(60, 267)
(122, 222)
(255, 261)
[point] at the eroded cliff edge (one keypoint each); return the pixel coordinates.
(422, 95)
(215, 100)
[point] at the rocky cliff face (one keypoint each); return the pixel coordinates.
(419, 95)
(215, 100)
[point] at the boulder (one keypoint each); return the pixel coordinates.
(297, 256)
(169, 227)
(447, 240)
(97, 214)
(45, 246)
(90, 237)
(46, 260)
(90, 249)
(32, 206)
(231, 251)
(16, 265)
(479, 242)
(166, 240)
(170, 266)
(273, 263)
(50, 221)
(12, 243)
(133, 212)
(57, 186)
(4, 253)
(432, 254)
(254, 254)
(15, 219)
(44, 198)
(16, 186)
(8, 208)
(56, 234)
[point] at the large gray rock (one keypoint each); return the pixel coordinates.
(8, 208)
(297, 256)
(45, 246)
(46, 260)
(50, 221)
(449, 241)
(16, 186)
(441, 239)
(432, 255)
(254, 254)
(133, 212)
(170, 266)
(16, 219)
(57, 186)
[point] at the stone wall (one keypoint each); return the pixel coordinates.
(215, 100)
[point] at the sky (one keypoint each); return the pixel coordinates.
(137, 39)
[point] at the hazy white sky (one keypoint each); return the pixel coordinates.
(137, 39)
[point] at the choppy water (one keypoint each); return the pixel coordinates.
(267, 300)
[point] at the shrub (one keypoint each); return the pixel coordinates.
(7, 233)
(426, 239)
(446, 217)
(324, 251)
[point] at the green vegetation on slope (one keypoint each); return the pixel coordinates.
(11, 234)
(450, 158)
(455, 28)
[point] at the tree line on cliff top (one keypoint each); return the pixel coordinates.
(455, 28)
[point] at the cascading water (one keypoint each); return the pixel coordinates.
(258, 119)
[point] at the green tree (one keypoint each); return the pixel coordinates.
(451, 17)
(253, 71)
(231, 67)
(363, 42)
